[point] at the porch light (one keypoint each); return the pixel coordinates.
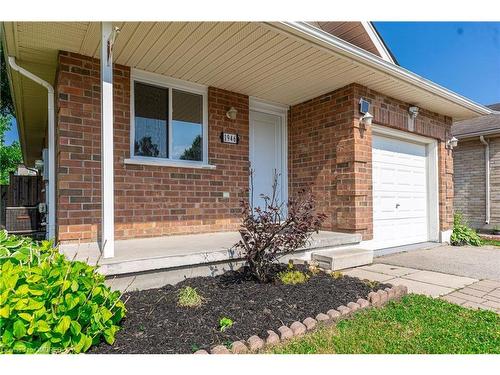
(39, 165)
(367, 119)
(231, 113)
(451, 143)
(413, 111)
(111, 42)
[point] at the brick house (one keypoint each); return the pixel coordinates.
(477, 170)
(157, 139)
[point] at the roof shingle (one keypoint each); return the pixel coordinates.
(489, 124)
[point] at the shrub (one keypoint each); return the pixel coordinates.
(337, 275)
(50, 304)
(462, 233)
(225, 323)
(292, 277)
(189, 297)
(268, 234)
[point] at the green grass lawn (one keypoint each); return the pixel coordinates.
(416, 324)
(490, 242)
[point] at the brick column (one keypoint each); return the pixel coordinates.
(445, 187)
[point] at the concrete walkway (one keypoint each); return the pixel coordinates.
(465, 291)
(469, 261)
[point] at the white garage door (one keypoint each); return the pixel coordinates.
(400, 212)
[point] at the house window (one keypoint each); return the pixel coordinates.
(151, 121)
(187, 126)
(169, 122)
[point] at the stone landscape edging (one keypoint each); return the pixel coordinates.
(255, 343)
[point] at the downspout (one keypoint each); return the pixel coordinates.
(487, 170)
(51, 224)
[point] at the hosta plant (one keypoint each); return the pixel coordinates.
(462, 234)
(49, 304)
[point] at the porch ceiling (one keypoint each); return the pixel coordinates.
(271, 61)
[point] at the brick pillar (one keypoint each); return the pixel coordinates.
(330, 153)
(445, 187)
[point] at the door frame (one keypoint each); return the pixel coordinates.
(277, 109)
(431, 147)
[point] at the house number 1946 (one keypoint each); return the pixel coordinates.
(229, 138)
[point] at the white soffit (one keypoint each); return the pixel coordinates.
(286, 63)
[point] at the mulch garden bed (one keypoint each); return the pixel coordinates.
(155, 324)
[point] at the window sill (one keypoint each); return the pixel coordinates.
(168, 163)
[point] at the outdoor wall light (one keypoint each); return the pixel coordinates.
(39, 165)
(367, 119)
(413, 111)
(451, 143)
(111, 42)
(231, 113)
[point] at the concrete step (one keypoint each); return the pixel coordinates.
(339, 259)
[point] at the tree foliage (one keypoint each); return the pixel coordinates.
(6, 103)
(10, 156)
(194, 151)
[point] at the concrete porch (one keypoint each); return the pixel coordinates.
(153, 262)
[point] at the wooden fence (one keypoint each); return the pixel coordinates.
(3, 204)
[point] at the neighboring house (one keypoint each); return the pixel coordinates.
(477, 169)
(188, 106)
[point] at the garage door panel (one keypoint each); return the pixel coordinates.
(400, 214)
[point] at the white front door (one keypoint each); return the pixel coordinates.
(266, 156)
(400, 192)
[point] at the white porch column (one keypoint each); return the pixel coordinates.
(107, 167)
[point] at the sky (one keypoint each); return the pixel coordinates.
(12, 135)
(461, 56)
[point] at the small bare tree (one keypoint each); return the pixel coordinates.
(268, 233)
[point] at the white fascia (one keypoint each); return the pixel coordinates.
(334, 44)
(375, 38)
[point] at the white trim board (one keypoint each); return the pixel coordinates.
(107, 145)
(375, 38)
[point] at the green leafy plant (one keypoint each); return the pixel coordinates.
(292, 277)
(462, 234)
(10, 155)
(189, 297)
(371, 284)
(225, 323)
(337, 275)
(50, 304)
(195, 347)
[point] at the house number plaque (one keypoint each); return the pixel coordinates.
(230, 138)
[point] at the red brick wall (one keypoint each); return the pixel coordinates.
(328, 151)
(394, 113)
(331, 151)
(149, 200)
(321, 153)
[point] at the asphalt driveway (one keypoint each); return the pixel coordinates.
(469, 261)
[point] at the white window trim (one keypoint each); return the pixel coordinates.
(169, 83)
